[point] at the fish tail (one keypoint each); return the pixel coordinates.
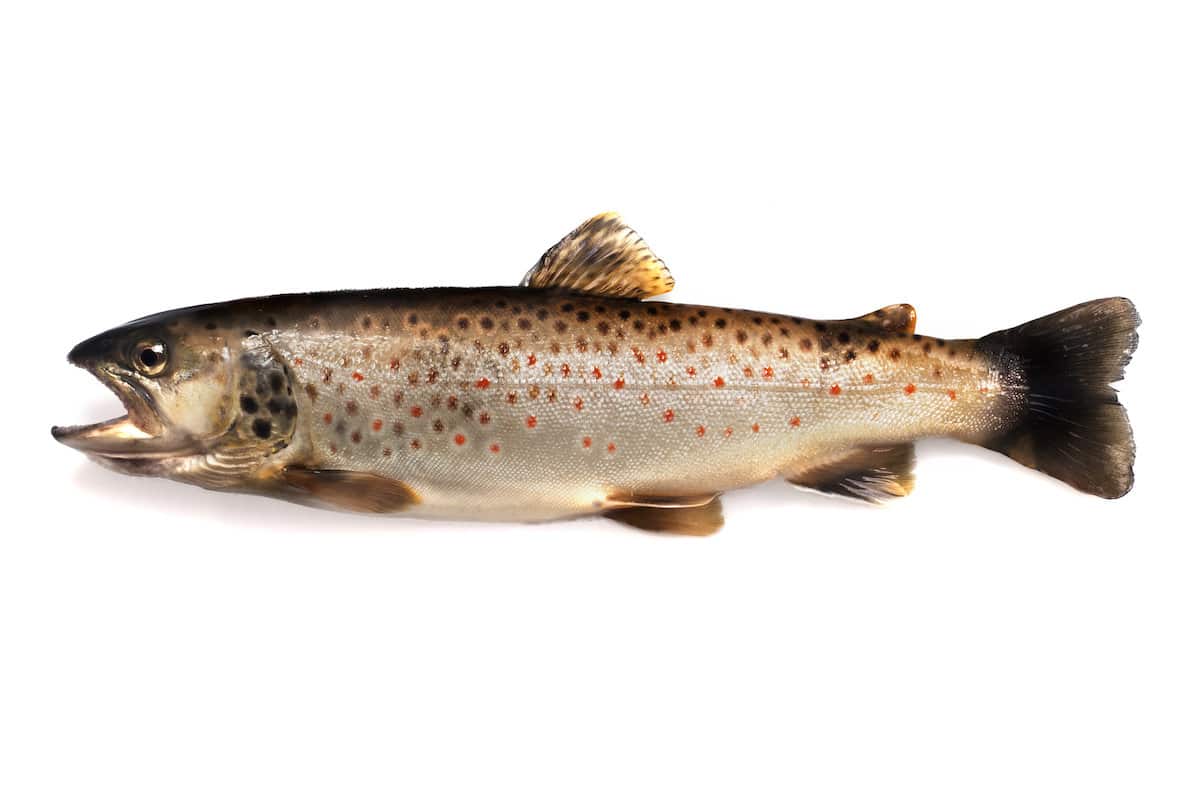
(1068, 422)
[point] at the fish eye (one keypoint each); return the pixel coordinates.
(150, 357)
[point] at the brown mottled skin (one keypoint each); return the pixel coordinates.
(540, 403)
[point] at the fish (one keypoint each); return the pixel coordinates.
(575, 394)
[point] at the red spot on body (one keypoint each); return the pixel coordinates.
(909, 389)
(377, 425)
(669, 415)
(531, 421)
(728, 432)
(645, 398)
(596, 373)
(794, 422)
(700, 430)
(395, 363)
(662, 356)
(835, 390)
(416, 411)
(619, 383)
(495, 448)
(612, 447)
(484, 418)
(641, 358)
(587, 441)
(328, 418)
(768, 372)
(482, 383)
(578, 404)
(566, 370)
(952, 394)
(358, 376)
(868, 378)
(531, 359)
(718, 382)
(459, 439)
(512, 398)
(299, 362)
(755, 427)
(416, 444)
(691, 371)
(749, 373)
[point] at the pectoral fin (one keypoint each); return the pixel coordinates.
(871, 473)
(351, 491)
(690, 516)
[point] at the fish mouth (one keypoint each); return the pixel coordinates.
(139, 434)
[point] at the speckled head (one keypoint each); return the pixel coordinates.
(206, 402)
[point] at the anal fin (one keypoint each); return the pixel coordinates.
(872, 472)
(690, 516)
(351, 491)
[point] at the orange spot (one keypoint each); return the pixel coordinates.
(700, 430)
(299, 362)
(718, 382)
(415, 411)
(662, 356)
(645, 398)
(691, 371)
(669, 415)
(909, 389)
(531, 360)
(794, 422)
(358, 376)
(395, 363)
(868, 378)
(749, 373)
(952, 394)
(482, 383)
(612, 447)
(328, 418)
(578, 404)
(587, 441)
(619, 383)
(728, 432)
(495, 448)
(566, 370)
(835, 390)
(754, 427)
(459, 439)
(531, 421)
(596, 373)
(983, 389)
(377, 425)
(768, 372)
(641, 359)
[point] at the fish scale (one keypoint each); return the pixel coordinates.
(574, 394)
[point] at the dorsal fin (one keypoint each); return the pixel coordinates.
(871, 473)
(899, 318)
(602, 256)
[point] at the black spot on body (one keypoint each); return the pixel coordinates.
(249, 404)
(262, 428)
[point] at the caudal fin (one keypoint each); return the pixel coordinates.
(1070, 425)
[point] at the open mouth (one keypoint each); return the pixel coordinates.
(138, 434)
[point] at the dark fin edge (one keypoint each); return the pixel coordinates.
(1071, 425)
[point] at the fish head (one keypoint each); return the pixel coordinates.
(205, 403)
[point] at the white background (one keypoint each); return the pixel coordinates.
(996, 634)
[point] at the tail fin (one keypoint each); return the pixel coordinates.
(1070, 425)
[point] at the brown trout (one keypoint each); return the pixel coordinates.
(572, 395)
